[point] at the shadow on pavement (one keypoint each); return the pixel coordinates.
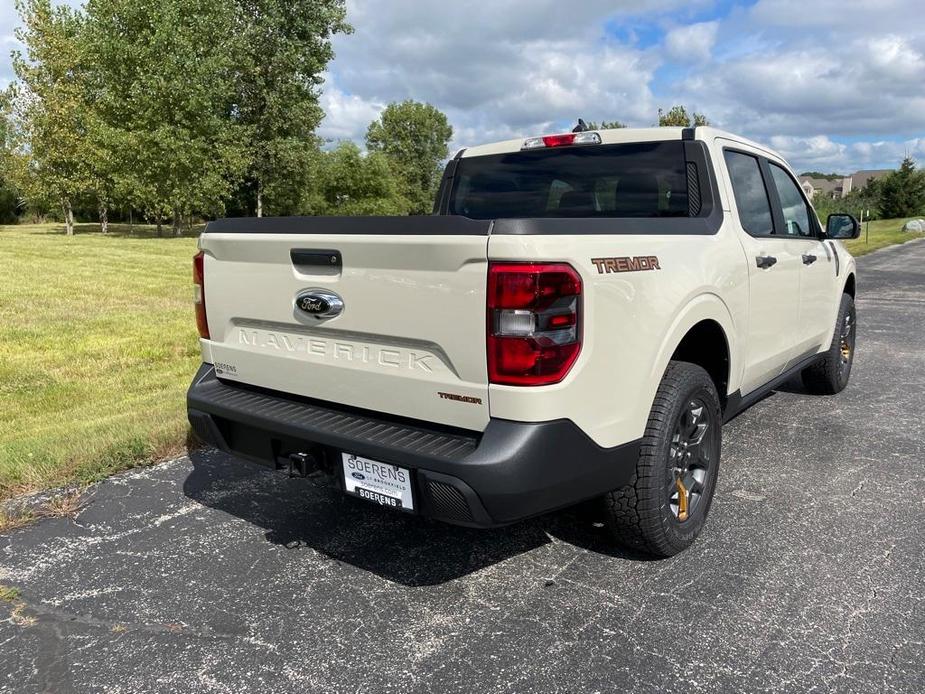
(794, 385)
(406, 549)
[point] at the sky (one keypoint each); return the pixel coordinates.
(833, 85)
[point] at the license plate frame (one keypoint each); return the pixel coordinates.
(378, 482)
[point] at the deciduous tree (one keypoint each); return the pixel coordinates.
(348, 183)
(9, 196)
(678, 116)
(166, 90)
(414, 139)
(606, 125)
(286, 46)
(49, 104)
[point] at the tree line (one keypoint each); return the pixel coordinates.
(181, 109)
(897, 195)
(165, 107)
(172, 109)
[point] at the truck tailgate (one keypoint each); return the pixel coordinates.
(410, 340)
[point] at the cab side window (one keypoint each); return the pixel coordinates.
(796, 214)
(750, 194)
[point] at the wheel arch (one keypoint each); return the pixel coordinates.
(705, 344)
(849, 287)
(703, 334)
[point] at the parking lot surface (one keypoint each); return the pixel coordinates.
(211, 574)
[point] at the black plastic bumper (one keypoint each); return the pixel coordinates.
(511, 471)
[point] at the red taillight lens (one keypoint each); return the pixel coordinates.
(534, 326)
(199, 294)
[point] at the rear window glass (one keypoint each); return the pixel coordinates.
(629, 180)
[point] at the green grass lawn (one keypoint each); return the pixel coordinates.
(886, 232)
(98, 345)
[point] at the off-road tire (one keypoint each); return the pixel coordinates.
(640, 515)
(830, 374)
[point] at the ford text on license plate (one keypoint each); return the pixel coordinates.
(381, 483)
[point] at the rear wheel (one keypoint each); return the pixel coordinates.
(662, 511)
(830, 374)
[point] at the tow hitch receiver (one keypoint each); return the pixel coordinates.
(302, 464)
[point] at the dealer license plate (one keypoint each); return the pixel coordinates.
(381, 483)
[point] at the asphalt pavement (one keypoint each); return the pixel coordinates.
(208, 574)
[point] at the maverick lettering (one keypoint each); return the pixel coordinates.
(330, 350)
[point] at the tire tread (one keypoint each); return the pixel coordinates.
(822, 378)
(634, 512)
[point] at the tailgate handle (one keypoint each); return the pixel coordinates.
(315, 258)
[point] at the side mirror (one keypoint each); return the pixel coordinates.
(842, 226)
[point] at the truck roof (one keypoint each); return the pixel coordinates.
(617, 136)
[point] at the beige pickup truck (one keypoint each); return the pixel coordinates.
(577, 319)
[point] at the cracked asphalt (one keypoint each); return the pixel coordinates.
(210, 574)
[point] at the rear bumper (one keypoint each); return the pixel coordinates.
(511, 471)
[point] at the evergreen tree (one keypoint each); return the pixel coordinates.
(902, 193)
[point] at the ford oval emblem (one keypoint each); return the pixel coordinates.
(358, 475)
(319, 303)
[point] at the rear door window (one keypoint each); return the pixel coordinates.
(628, 180)
(750, 194)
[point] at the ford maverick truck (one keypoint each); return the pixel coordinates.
(576, 321)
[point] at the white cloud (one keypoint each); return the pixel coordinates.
(514, 68)
(798, 75)
(781, 68)
(820, 153)
(832, 83)
(861, 86)
(346, 115)
(693, 42)
(853, 16)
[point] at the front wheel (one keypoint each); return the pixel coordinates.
(662, 511)
(830, 374)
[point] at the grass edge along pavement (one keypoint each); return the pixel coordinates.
(98, 347)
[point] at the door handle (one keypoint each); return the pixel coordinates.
(312, 257)
(765, 261)
(809, 259)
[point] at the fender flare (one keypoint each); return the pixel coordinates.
(850, 276)
(702, 307)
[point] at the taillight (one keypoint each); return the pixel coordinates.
(199, 294)
(534, 322)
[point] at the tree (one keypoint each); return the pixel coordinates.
(348, 183)
(285, 48)
(679, 117)
(606, 125)
(414, 139)
(9, 196)
(902, 192)
(50, 105)
(817, 174)
(165, 86)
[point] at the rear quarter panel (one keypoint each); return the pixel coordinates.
(632, 322)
